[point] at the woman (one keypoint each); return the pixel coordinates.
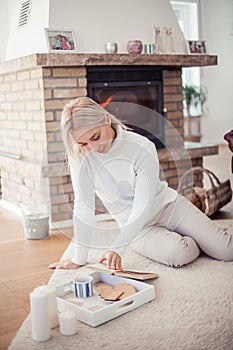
(122, 168)
(65, 43)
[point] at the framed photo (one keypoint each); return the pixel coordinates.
(197, 46)
(60, 40)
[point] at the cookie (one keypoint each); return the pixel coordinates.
(127, 289)
(108, 292)
(116, 292)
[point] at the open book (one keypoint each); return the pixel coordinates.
(135, 274)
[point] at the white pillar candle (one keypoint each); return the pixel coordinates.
(39, 315)
(52, 305)
(68, 323)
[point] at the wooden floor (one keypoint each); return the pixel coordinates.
(24, 266)
(24, 262)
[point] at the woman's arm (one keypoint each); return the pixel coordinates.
(83, 211)
(83, 215)
(149, 196)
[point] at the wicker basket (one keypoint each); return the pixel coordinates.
(207, 200)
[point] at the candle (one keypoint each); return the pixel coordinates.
(68, 323)
(39, 315)
(52, 305)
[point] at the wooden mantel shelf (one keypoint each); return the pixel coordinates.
(189, 151)
(99, 59)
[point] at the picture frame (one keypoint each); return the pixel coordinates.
(60, 40)
(197, 46)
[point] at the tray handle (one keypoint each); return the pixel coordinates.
(63, 289)
(128, 304)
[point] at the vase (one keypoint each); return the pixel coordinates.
(35, 219)
(110, 47)
(134, 46)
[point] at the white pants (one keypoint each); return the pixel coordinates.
(179, 233)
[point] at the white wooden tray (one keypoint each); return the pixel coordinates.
(95, 311)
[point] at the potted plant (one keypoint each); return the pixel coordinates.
(194, 100)
(194, 97)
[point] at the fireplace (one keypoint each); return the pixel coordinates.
(32, 152)
(134, 94)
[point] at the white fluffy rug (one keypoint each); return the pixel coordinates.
(193, 310)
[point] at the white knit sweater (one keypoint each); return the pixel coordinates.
(126, 179)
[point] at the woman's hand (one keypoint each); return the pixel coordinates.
(113, 260)
(65, 264)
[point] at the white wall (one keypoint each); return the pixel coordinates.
(217, 17)
(6, 11)
(93, 22)
(29, 39)
(97, 22)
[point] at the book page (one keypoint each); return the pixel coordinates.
(137, 274)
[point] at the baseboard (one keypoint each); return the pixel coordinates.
(53, 225)
(68, 223)
(11, 207)
(14, 209)
(103, 217)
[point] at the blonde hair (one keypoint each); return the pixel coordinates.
(78, 113)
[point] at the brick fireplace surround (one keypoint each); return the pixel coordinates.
(33, 92)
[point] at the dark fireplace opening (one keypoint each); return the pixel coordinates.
(134, 94)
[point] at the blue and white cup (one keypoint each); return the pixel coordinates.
(149, 48)
(82, 286)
